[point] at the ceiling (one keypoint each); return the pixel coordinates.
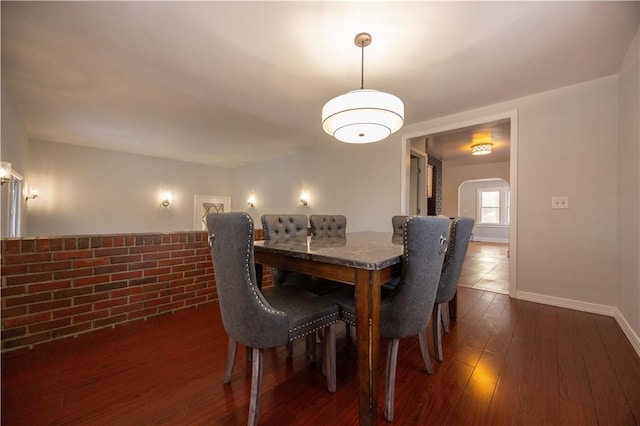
(453, 147)
(230, 83)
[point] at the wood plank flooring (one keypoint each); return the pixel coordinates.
(507, 362)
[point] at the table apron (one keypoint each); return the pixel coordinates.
(330, 271)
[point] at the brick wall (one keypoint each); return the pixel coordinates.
(58, 287)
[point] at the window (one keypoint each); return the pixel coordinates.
(493, 206)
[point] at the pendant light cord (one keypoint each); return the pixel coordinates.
(362, 68)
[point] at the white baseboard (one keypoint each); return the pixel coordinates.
(578, 305)
(628, 331)
(593, 308)
(489, 240)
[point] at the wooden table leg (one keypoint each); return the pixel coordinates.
(367, 298)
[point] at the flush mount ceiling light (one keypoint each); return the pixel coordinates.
(481, 143)
(365, 115)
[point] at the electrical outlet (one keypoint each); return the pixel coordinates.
(559, 202)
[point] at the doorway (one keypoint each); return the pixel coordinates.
(510, 117)
(418, 185)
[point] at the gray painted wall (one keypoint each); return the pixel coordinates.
(94, 191)
(628, 179)
(469, 207)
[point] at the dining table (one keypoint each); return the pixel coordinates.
(365, 260)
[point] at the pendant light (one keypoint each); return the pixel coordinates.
(365, 115)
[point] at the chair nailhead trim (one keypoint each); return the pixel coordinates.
(452, 245)
(347, 316)
(291, 339)
(311, 322)
(247, 266)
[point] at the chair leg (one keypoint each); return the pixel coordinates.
(424, 349)
(330, 356)
(290, 349)
(310, 347)
(389, 394)
(256, 385)
(319, 350)
(453, 307)
(437, 331)
(231, 359)
(445, 316)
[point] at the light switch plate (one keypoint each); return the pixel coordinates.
(559, 202)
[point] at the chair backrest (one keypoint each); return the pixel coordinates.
(328, 225)
(405, 312)
(284, 226)
(459, 237)
(247, 316)
(397, 222)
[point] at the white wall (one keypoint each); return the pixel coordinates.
(453, 177)
(359, 181)
(468, 196)
(93, 191)
(13, 149)
(567, 142)
(566, 146)
(628, 173)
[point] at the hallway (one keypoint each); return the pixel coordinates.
(486, 267)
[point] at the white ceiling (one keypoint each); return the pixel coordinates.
(230, 83)
(453, 148)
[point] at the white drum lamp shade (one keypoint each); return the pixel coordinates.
(362, 116)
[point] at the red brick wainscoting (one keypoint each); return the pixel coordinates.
(58, 287)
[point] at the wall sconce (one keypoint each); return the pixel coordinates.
(304, 198)
(166, 199)
(5, 172)
(33, 194)
(251, 201)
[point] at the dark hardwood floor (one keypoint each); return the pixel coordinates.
(507, 362)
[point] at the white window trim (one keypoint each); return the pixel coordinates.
(502, 208)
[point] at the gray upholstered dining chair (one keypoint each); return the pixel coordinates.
(283, 227)
(397, 223)
(405, 310)
(292, 227)
(262, 318)
(459, 237)
(328, 225)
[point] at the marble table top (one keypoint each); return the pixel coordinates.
(365, 250)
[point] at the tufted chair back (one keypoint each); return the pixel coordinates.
(284, 226)
(281, 227)
(328, 225)
(247, 316)
(397, 223)
(459, 237)
(405, 311)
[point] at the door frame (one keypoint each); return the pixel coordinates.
(421, 185)
(513, 176)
